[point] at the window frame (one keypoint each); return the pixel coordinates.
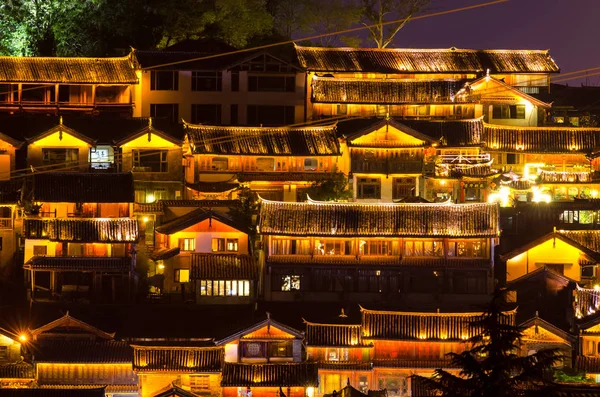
(138, 154)
(156, 83)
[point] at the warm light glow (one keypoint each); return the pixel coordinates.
(310, 391)
(145, 219)
(502, 197)
(526, 173)
(161, 266)
(539, 196)
(150, 198)
(422, 336)
(597, 287)
(23, 338)
(594, 193)
(443, 182)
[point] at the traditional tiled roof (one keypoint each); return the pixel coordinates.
(223, 267)
(283, 176)
(281, 374)
(405, 60)
(75, 187)
(275, 141)
(589, 365)
(67, 70)
(346, 365)
(16, 371)
(164, 254)
(93, 230)
(180, 359)
(541, 139)
(451, 133)
(55, 392)
(195, 217)
(333, 335)
(565, 177)
(110, 389)
(85, 351)
(589, 239)
(586, 302)
(377, 324)
(354, 129)
(388, 91)
(378, 260)
(90, 264)
(358, 219)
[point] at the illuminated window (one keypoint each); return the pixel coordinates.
(232, 245)
(220, 163)
(369, 188)
(140, 196)
(206, 81)
(187, 244)
(311, 164)
(375, 247)
(60, 157)
(254, 349)
(559, 119)
(265, 164)
(3, 352)
(164, 80)
(225, 287)
(40, 250)
(403, 187)
(424, 248)
(508, 111)
(150, 161)
(333, 354)
(290, 283)
(199, 383)
(182, 275)
(468, 249)
(280, 349)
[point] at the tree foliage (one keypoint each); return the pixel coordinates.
(333, 188)
(376, 13)
(109, 27)
(492, 366)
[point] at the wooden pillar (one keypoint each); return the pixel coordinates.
(94, 94)
(56, 93)
(19, 92)
(32, 284)
(52, 283)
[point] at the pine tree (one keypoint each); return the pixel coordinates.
(492, 366)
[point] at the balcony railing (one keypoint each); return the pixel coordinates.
(338, 259)
(386, 166)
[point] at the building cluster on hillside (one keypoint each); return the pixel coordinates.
(163, 199)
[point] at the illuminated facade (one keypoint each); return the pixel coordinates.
(204, 256)
(242, 89)
(274, 162)
(422, 254)
(79, 239)
(55, 85)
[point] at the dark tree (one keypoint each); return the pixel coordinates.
(492, 366)
(334, 187)
(378, 12)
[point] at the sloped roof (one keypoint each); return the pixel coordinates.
(84, 264)
(70, 323)
(282, 141)
(358, 219)
(195, 217)
(334, 335)
(177, 359)
(376, 124)
(55, 392)
(262, 375)
(20, 370)
(390, 325)
(67, 70)
(541, 139)
(587, 241)
(388, 91)
(268, 322)
(223, 267)
(451, 133)
(85, 351)
(92, 230)
(79, 187)
(482, 96)
(407, 60)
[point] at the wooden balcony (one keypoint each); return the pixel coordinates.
(374, 166)
(373, 260)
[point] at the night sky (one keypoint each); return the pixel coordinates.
(570, 29)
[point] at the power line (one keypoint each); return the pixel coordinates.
(318, 36)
